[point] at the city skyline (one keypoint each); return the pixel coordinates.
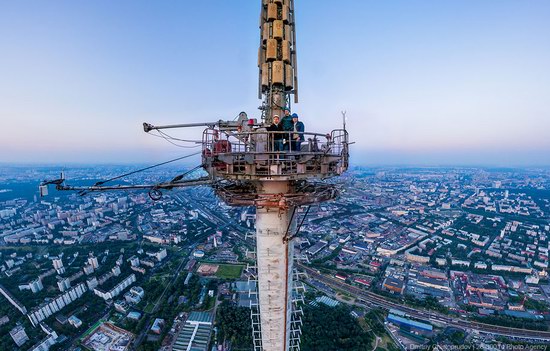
(425, 83)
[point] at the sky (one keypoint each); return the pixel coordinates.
(457, 82)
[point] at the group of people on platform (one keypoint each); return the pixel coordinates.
(293, 129)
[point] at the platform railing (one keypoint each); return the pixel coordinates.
(261, 141)
(262, 153)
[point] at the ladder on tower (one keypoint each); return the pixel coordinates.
(252, 271)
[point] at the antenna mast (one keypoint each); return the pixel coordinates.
(277, 62)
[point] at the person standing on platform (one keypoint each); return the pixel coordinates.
(276, 139)
(297, 134)
(286, 123)
(287, 119)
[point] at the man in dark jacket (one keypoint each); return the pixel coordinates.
(286, 123)
(276, 139)
(297, 134)
(287, 120)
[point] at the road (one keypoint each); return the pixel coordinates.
(376, 343)
(379, 301)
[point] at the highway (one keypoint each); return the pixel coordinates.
(380, 301)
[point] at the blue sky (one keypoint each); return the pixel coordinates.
(423, 82)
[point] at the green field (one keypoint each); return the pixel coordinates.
(229, 271)
(91, 329)
(149, 308)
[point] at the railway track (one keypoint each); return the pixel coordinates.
(380, 301)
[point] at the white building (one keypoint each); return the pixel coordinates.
(92, 261)
(161, 255)
(57, 262)
(92, 283)
(46, 309)
(107, 295)
(132, 298)
(134, 261)
(18, 335)
(74, 321)
(457, 262)
(480, 265)
(532, 279)
(36, 285)
(138, 290)
(63, 284)
(507, 268)
(116, 270)
(88, 269)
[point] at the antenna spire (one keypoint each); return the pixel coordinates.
(277, 62)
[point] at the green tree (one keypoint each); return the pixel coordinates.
(234, 325)
(332, 328)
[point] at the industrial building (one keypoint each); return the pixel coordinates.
(409, 324)
(196, 332)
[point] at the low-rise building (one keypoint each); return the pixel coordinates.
(393, 285)
(19, 335)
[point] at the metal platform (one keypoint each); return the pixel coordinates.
(257, 155)
(248, 194)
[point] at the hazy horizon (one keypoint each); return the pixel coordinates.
(424, 83)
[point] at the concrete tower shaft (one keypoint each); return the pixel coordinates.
(277, 63)
(274, 262)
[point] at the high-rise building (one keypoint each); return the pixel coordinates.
(116, 270)
(161, 255)
(92, 261)
(57, 263)
(92, 283)
(12, 300)
(106, 295)
(36, 285)
(63, 283)
(47, 308)
(88, 269)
